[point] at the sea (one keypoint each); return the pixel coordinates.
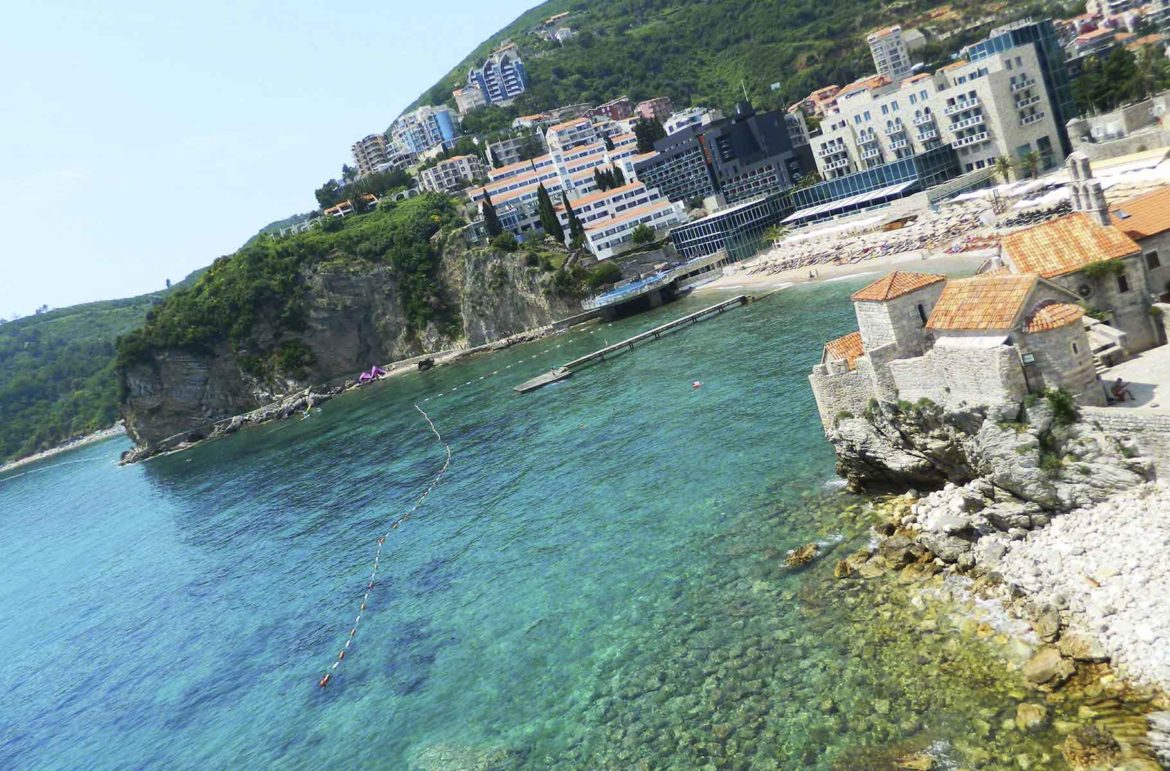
(598, 581)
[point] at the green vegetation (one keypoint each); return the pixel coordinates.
(333, 193)
(643, 234)
(1120, 78)
(264, 282)
(648, 132)
(1063, 406)
(1100, 269)
(708, 53)
(57, 377)
(604, 274)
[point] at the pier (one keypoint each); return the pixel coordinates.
(566, 370)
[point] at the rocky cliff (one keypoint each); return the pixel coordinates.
(350, 315)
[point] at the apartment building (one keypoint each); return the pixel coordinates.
(995, 106)
(468, 99)
(370, 152)
(452, 174)
(502, 76)
(611, 236)
(692, 116)
(733, 159)
(891, 57)
(818, 102)
(570, 134)
(615, 109)
(507, 152)
(424, 129)
(659, 109)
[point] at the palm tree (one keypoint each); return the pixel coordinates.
(775, 234)
(1029, 163)
(1002, 167)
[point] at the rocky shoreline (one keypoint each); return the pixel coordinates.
(1056, 520)
(304, 400)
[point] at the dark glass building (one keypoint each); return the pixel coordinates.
(1041, 35)
(735, 159)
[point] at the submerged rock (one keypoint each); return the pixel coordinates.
(1031, 716)
(802, 556)
(1049, 668)
(1090, 747)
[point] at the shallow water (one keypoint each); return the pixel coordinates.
(598, 582)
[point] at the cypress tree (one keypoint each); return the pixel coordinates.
(619, 178)
(599, 179)
(491, 220)
(576, 229)
(610, 181)
(548, 215)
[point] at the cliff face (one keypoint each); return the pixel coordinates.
(353, 320)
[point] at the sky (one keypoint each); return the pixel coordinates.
(141, 140)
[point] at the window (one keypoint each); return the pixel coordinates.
(922, 313)
(922, 94)
(1009, 66)
(1122, 283)
(1076, 349)
(1152, 261)
(914, 99)
(885, 109)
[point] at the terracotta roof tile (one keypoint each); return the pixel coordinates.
(1144, 216)
(989, 303)
(848, 349)
(895, 284)
(1066, 245)
(1053, 315)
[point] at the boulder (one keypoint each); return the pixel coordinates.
(1082, 648)
(948, 548)
(1090, 747)
(1049, 668)
(1046, 623)
(802, 556)
(1031, 717)
(843, 569)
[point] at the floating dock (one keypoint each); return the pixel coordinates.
(566, 370)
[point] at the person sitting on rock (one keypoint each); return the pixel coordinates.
(1121, 392)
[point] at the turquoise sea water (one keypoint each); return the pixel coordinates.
(597, 583)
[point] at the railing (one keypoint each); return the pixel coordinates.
(839, 164)
(1033, 118)
(830, 150)
(867, 140)
(923, 120)
(1020, 85)
(898, 144)
(926, 134)
(872, 152)
(627, 289)
(1031, 100)
(974, 139)
(958, 107)
(974, 120)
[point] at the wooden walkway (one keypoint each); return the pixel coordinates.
(566, 370)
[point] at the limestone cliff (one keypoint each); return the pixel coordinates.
(351, 317)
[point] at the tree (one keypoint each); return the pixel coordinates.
(1002, 167)
(599, 180)
(775, 234)
(328, 194)
(531, 148)
(643, 234)
(808, 180)
(1029, 164)
(348, 173)
(609, 143)
(648, 131)
(548, 215)
(619, 178)
(491, 221)
(576, 229)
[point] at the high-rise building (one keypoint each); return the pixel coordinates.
(502, 77)
(1041, 36)
(419, 131)
(732, 159)
(370, 152)
(891, 57)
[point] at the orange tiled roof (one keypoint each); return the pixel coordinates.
(868, 82)
(953, 65)
(848, 349)
(1144, 216)
(1053, 315)
(601, 195)
(568, 124)
(895, 284)
(652, 207)
(1065, 245)
(990, 303)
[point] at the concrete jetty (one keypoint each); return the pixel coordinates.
(566, 370)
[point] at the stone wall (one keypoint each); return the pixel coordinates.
(838, 389)
(1128, 311)
(1063, 358)
(898, 321)
(957, 376)
(1159, 276)
(1150, 429)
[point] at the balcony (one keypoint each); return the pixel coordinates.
(1020, 85)
(923, 120)
(1033, 118)
(828, 151)
(926, 135)
(871, 139)
(961, 106)
(871, 152)
(896, 130)
(966, 123)
(898, 144)
(838, 164)
(1031, 100)
(973, 139)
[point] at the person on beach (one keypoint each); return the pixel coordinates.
(1121, 392)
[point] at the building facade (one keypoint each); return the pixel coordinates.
(425, 129)
(615, 109)
(734, 159)
(995, 106)
(370, 153)
(468, 99)
(659, 109)
(692, 116)
(452, 174)
(502, 76)
(891, 57)
(507, 152)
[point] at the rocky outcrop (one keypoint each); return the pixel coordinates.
(353, 319)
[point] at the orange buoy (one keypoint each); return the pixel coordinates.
(324, 681)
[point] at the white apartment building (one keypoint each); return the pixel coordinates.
(452, 174)
(419, 131)
(603, 205)
(891, 57)
(609, 237)
(692, 116)
(996, 106)
(468, 99)
(369, 153)
(570, 134)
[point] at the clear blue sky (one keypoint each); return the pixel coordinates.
(141, 140)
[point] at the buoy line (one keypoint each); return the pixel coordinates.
(324, 681)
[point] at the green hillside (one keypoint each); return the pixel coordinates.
(707, 52)
(57, 371)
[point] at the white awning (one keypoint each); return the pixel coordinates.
(851, 201)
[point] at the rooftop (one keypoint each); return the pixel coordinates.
(1053, 315)
(865, 84)
(1066, 245)
(632, 214)
(569, 124)
(894, 285)
(1144, 216)
(984, 303)
(848, 349)
(601, 195)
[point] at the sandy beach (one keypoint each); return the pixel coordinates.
(96, 436)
